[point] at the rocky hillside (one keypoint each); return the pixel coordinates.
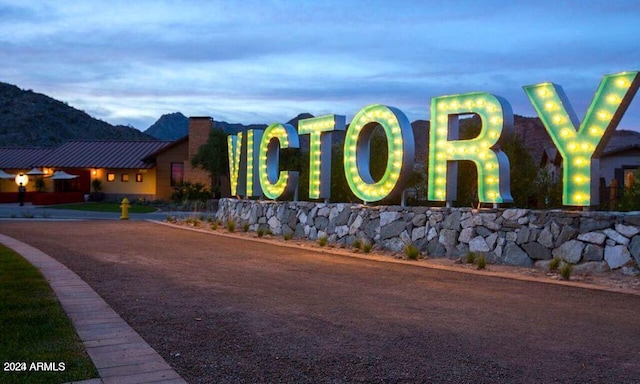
(171, 126)
(32, 119)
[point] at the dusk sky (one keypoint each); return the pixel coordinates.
(129, 62)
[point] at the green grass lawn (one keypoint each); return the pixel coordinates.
(104, 207)
(34, 327)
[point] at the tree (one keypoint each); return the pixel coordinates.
(213, 157)
(549, 190)
(340, 191)
(525, 174)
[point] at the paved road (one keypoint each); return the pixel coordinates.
(227, 310)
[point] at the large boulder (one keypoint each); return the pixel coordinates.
(571, 251)
(634, 248)
(593, 252)
(537, 251)
(512, 254)
(616, 256)
(478, 244)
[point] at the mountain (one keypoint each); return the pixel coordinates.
(29, 119)
(171, 126)
(175, 125)
(233, 128)
(301, 116)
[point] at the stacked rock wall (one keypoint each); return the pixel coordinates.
(595, 240)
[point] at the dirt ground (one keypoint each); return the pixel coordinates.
(615, 280)
(229, 310)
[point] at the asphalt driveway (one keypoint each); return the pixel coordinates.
(223, 310)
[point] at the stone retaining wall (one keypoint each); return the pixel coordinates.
(594, 240)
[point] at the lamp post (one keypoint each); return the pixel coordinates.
(22, 180)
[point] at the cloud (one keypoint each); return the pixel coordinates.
(255, 61)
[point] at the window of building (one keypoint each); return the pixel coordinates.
(177, 173)
(111, 176)
(124, 177)
(138, 177)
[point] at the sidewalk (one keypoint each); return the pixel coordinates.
(120, 355)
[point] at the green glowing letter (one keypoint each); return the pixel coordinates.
(274, 183)
(400, 144)
(234, 147)
(579, 147)
(320, 129)
(252, 181)
(445, 150)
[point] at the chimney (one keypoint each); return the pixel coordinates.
(199, 129)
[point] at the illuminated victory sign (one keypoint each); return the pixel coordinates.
(254, 155)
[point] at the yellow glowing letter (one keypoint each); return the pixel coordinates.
(251, 180)
(400, 144)
(234, 147)
(274, 183)
(579, 147)
(445, 150)
(320, 129)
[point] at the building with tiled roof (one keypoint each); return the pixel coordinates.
(103, 154)
(132, 169)
(22, 158)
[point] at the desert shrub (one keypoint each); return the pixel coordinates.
(482, 262)
(412, 252)
(187, 191)
(554, 264)
(322, 241)
(565, 271)
(471, 257)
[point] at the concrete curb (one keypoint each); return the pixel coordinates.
(117, 351)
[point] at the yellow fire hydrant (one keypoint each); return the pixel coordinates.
(125, 209)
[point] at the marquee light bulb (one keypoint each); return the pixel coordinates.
(275, 183)
(320, 133)
(400, 151)
(602, 116)
(496, 116)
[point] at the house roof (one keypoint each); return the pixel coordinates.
(103, 154)
(622, 141)
(22, 158)
(83, 154)
(151, 157)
